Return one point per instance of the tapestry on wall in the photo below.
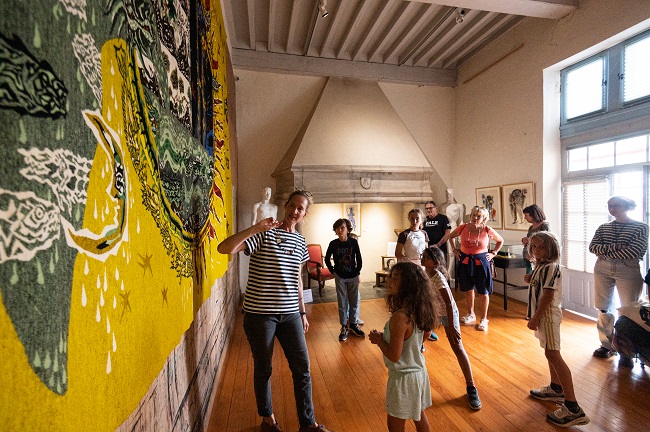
(115, 167)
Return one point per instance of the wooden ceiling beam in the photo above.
(551, 9)
(313, 66)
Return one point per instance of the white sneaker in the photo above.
(565, 418)
(468, 319)
(482, 326)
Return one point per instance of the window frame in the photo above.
(614, 111)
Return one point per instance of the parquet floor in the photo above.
(349, 379)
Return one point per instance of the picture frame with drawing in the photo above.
(516, 197)
(490, 198)
(352, 212)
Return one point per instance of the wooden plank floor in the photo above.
(349, 379)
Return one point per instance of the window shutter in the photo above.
(585, 209)
(584, 92)
(636, 70)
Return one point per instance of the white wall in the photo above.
(429, 113)
(271, 108)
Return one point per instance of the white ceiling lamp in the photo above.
(322, 7)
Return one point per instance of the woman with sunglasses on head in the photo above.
(620, 246)
(473, 258)
(274, 306)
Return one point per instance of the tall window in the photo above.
(606, 141)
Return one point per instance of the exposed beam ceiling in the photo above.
(419, 42)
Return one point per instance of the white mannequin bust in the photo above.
(264, 208)
(454, 211)
(456, 214)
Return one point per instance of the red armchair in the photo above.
(316, 270)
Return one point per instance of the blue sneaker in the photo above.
(433, 337)
(473, 399)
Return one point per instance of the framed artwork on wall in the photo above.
(352, 211)
(516, 197)
(490, 198)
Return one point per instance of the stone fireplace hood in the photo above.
(353, 147)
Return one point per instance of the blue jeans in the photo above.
(347, 295)
(261, 330)
(625, 276)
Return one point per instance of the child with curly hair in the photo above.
(416, 310)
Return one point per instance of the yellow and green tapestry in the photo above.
(115, 191)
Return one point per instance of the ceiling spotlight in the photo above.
(460, 15)
(322, 8)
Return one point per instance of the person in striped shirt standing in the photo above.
(274, 306)
(620, 246)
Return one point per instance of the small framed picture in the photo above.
(490, 198)
(516, 197)
(352, 212)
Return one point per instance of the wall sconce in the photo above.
(460, 15)
(322, 8)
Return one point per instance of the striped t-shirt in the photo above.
(276, 258)
(633, 236)
(546, 276)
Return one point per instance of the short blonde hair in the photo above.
(485, 215)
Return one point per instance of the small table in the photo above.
(380, 276)
(506, 263)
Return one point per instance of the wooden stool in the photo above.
(380, 277)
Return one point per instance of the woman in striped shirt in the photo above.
(620, 246)
(274, 307)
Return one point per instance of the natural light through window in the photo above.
(626, 151)
(636, 70)
(584, 89)
(601, 155)
(578, 159)
(631, 150)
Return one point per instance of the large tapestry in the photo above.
(115, 190)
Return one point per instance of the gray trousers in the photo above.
(348, 298)
(261, 331)
(609, 274)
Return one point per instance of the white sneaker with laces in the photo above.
(468, 319)
(548, 394)
(563, 417)
(483, 325)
